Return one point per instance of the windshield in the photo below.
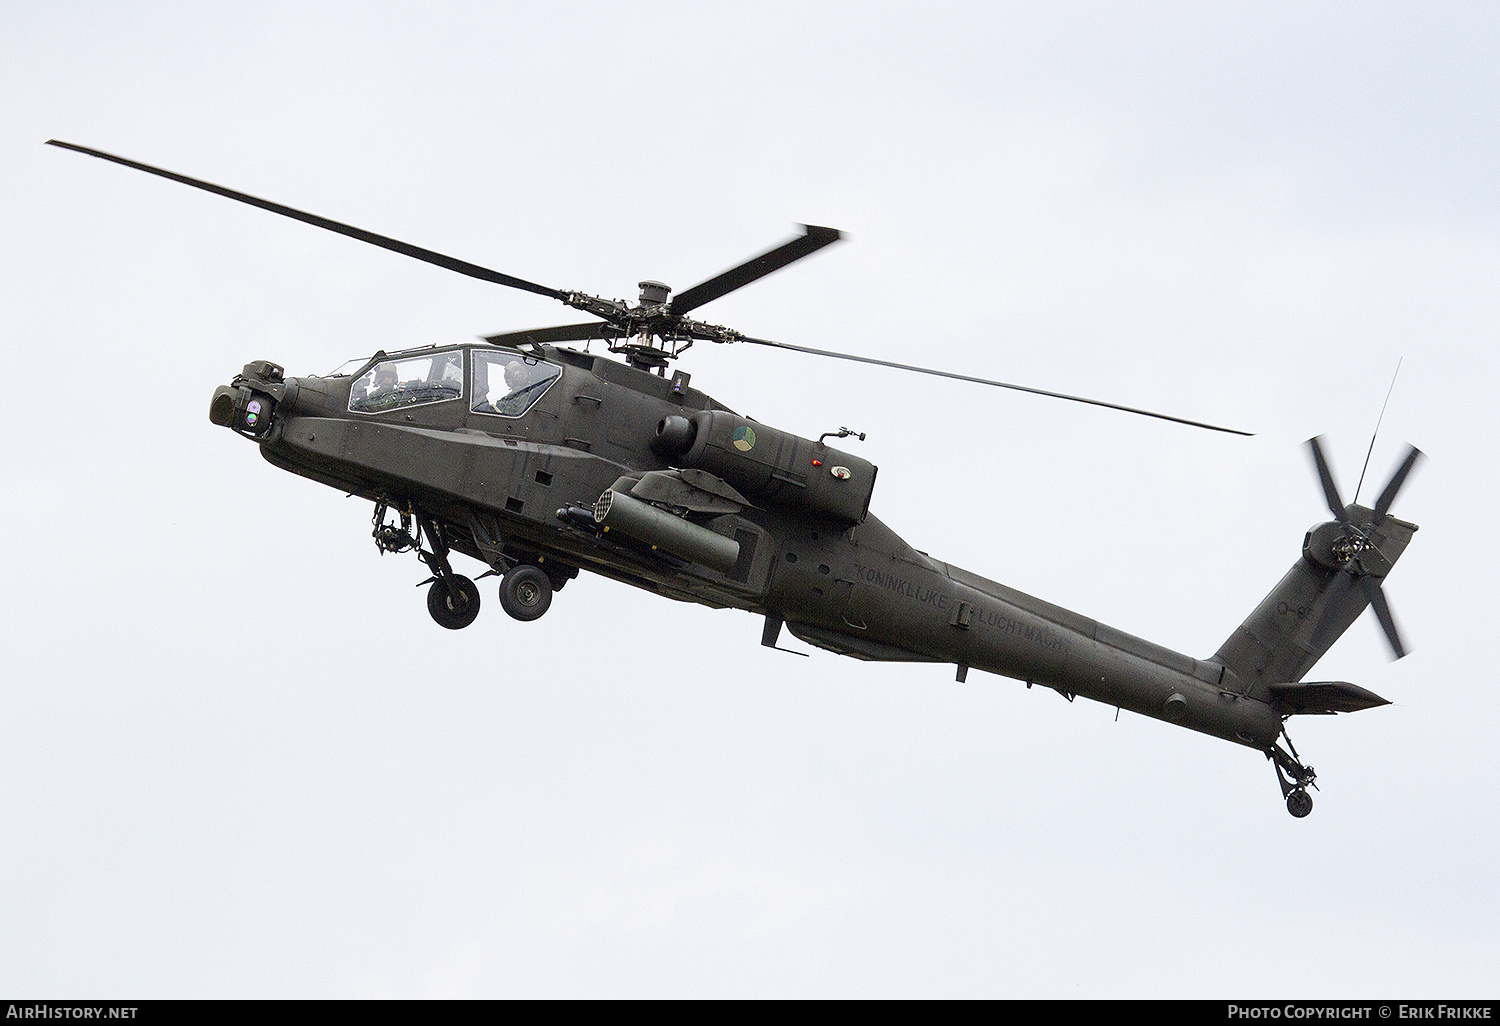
(348, 367)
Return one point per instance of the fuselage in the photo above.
(512, 476)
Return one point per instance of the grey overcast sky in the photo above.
(238, 759)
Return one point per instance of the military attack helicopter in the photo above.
(542, 461)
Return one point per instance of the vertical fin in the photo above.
(1302, 617)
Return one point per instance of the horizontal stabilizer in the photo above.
(1323, 696)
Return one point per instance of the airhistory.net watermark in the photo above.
(43, 1010)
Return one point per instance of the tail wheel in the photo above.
(1293, 776)
(525, 592)
(453, 603)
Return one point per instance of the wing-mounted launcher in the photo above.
(770, 466)
(683, 513)
(619, 510)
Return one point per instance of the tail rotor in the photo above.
(1341, 571)
(1351, 546)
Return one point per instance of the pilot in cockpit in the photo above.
(385, 381)
(516, 395)
(517, 376)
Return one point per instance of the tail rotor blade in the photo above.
(1388, 496)
(1329, 627)
(1325, 475)
(1383, 614)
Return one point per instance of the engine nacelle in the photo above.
(773, 466)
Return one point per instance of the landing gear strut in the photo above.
(1294, 777)
(453, 600)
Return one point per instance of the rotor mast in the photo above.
(648, 334)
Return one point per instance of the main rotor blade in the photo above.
(997, 384)
(1383, 614)
(561, 333)
(1388, 496)
(1325, 475)
(810, 241)
(395, 245)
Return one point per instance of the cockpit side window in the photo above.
(412, 381)
(508, 384)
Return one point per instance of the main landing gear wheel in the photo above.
(453, 603)
(1299, 803)
(525, 591)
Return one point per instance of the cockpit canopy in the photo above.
(503, 382)
(411, 381)
(507, 384)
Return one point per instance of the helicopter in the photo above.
(541, 461)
